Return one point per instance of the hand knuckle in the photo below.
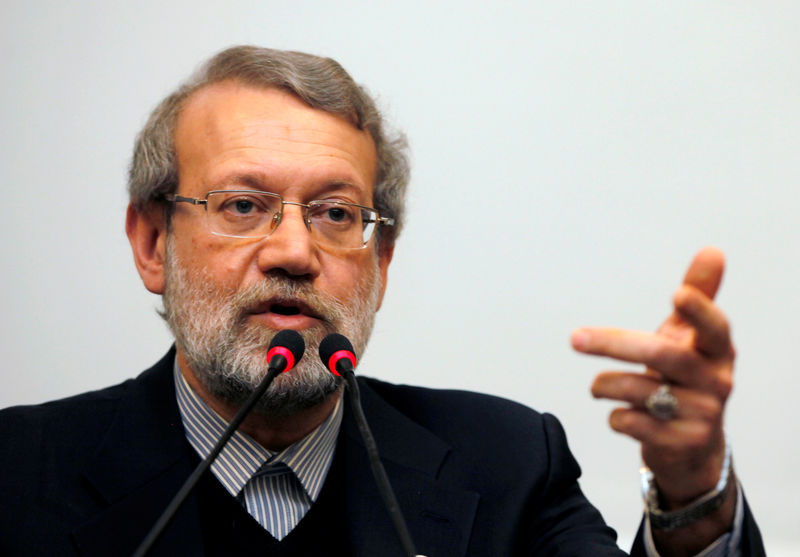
(686, 360)
(725, 326)
(723, 384)
(656, 354)
(709, 407)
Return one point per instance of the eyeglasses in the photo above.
(256, 214)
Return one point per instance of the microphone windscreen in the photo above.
(290, 340)
(333, 347)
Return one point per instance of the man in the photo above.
(267, 195)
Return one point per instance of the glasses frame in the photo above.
(379, 220)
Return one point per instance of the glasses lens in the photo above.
(341, 224)
(243, 214)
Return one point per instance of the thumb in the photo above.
(705, 271)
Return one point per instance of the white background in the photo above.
(569, 158)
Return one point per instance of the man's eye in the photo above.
(333, 214)
(337, 214)
(243, 206)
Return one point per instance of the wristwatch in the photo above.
(697, 509)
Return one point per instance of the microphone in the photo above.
(285, 350)
(337, 353)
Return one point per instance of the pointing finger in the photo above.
(655, 351)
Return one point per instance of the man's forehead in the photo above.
(234, 110)
(228, 126)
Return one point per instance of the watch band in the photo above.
(697, 509)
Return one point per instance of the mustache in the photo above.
(279, 288)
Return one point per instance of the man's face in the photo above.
(226, 297)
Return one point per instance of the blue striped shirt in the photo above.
(277, 488)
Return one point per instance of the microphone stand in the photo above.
(345, 368)
(277, 365)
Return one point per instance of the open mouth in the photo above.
(287, 307)
(284, 309)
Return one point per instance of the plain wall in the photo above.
(568, 160)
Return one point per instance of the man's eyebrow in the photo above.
(259, 181)
(337, 185)
(251, 180)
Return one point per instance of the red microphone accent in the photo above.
(338, 355)
(283, 351)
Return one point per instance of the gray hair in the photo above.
(321, 82)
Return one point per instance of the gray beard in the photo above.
(228, 356)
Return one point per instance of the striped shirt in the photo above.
(277, 488)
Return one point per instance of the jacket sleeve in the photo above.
(562, 520)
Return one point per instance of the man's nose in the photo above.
(290, 247)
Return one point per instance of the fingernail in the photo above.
(580, 339)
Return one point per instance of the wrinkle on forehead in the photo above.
(228, 122)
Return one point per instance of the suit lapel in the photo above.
(144, 459)
(138, 467)
(439, 516)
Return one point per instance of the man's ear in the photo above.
(147, 233)
(385, 252)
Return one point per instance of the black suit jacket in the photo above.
(474, 475)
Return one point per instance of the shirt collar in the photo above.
(242, 457)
